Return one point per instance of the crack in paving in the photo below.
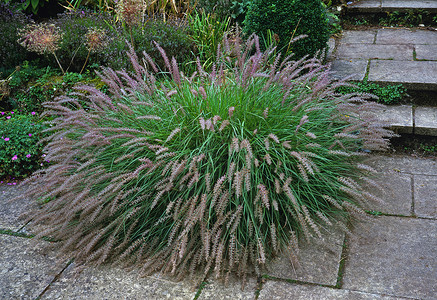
(57, 276)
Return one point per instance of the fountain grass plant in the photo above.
(217, 172)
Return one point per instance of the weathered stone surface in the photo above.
(400, 117)
(391, 36)
(366, 6)
(396, 192)
(372, 51)
(403, 164)
(217, 290)
(358, 37)
(331, 48)
(113, 283)
(11, 210)
(345, 68)
(25, 269)
(426, 120)
(408, 5)
(415, 75)
(394, 256)
(425, 196)
(426, 52)
(279, 290)
(319, 263)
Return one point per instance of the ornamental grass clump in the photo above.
(217, 172)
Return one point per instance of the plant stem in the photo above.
(86, 60)
(59, 64)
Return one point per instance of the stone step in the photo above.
(389, 56)
(409, 119)
(381, 6)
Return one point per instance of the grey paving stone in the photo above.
(113, 283)
(331, 48)
(408, 5)
(345, 68)
(319, 263)
(403, 164)
(396, 193)
(415, 75)
(425, 196)
(25, 269)
(279, 290)
(426, 120)
(372, 51)
(400, 117)
(10, 211)
(365, 6)
(426, 52)
(394, 256)
(217, 290)
(358, 36)
(393, 36)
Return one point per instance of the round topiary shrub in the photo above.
(290, 19)
(216, 172)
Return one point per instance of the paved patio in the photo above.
(391, 256)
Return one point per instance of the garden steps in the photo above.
(394, 56)
(385, 6)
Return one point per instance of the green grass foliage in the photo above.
(215, 173)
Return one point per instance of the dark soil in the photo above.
(414, 145)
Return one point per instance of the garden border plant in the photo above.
(217, 172)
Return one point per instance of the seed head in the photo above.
(96, 39)
(40, 38)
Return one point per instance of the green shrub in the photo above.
(11, 53)
(30, 86)
(217, 172)
(290, 19)
(20, 154)
(387, 94)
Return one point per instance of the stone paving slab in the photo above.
(394, 256)
(365, 6)
(400, 117)
(403, 164)
(425, 196)
(25, 269)
(426, 52)
(396, 192)
(318, 263)
(280, 290)
(426, 120)
(358, 36)
(218, 291)
(10, 211)
(113, 283)
(391, 36)
(407, 5)
(372, 51)
(346, 68)
(374, 6)
(415, 75)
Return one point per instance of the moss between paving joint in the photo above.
(14, 233)
(342, 264)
